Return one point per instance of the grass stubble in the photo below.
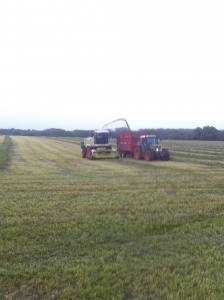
(110, 229)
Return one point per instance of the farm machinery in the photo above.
(98, 145)
(148, 148)
(140, 145)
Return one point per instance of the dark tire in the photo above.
(122, 154)
(83, 152)
(166, 155)
(149, 155)
(137, 153)
(89, 153)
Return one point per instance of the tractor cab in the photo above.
(148, 140)
(101, 137)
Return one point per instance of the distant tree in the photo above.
(16, 132)
(221, 135)
(121, 129)
(210, 134)
(207, 133)
(197, 133)
(189, 136)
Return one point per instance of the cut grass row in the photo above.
(111, 229)
(5, 152)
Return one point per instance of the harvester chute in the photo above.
(121, 119)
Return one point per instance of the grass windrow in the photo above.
(5, 152)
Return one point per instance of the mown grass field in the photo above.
(110, 229)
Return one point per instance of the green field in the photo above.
(72, 228)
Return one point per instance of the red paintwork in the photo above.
(127, 140)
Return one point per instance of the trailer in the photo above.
(126, 142)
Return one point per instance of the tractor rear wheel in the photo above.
(149, 155)
(89, 153)
(83, 153)
(137, 153)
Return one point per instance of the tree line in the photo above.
(207, 133)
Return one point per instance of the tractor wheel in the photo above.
(83, 153)
(149, 155)
(89, 153)
(122, 153)
(137, 153)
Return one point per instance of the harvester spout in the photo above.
(121, 119)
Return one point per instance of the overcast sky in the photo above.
(81, 64)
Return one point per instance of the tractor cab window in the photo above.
(101, 138)
(151, 140)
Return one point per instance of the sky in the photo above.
(81, 64)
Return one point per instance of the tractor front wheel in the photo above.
(89, 153)
(149, 155)
(137, 153)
